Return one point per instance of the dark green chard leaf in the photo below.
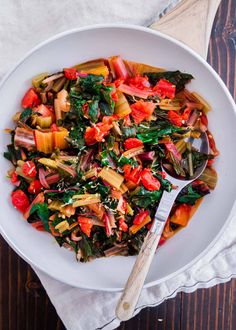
(108, 158)
(104, 157)
(23, 184)
(91, 87)
(110, 203)
(12, 154)
(145, 198)
(73, 245)
(86, 248)
(188, 196)
(179, 79)
(105, 108)
(91, 84)
(136, 241)
(150, 134)
(64, 240)
(56, 221)
(60, 240)
(76, 105)
(123, 160)
(104, 191)
(100, 238)
(93, 110)
(149, 137)
(128, 132)
(25, 115)
(67, 196)
(110, 141)
(106, 96)
(199, 158)
(94, 187)
(64, 196)
(42, 211)
(176, 164)
(76, 137)
(166, 185)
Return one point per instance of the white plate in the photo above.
(141, 45)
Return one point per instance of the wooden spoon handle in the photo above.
(131, 293)
(190, 22)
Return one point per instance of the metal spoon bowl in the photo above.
(131, 293)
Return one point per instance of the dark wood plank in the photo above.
(24, 304)
(232, 323)
(212, 308)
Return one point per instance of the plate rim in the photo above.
(192, 53)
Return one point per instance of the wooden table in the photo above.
(24, 304)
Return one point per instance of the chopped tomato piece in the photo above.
(212, 144)
(30, 99)
(127, 121)
(168, 231)
(181, 215)
(96, 133)
(109, 119)
(164, 88)
(118, 82)
(162, 241)
(114, 95)
(132, 143)
(186, 113)
(71, 73)
(122, 224)
(85, 225)
(14, 177)
(20, 200)
(38, 225)
(29, 169)
(116, 194)
(139, 82)
(127, 169)
(142, 110)
(53, 230)
(175, 118)
(210, 162)
(135, 174)
(163, 174)
(35, 187)
(140, 217)
(54, 128)
(204, 119)
(85, 108)
(149, 181)
(132, 175)
(122, 205)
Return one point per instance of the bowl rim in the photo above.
(192, 53)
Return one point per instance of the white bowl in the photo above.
(205, 228)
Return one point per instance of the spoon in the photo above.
(133, 287)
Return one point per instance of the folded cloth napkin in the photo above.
(217, 266)
(25, 23)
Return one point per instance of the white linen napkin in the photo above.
(89, 310)
(25, 23)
